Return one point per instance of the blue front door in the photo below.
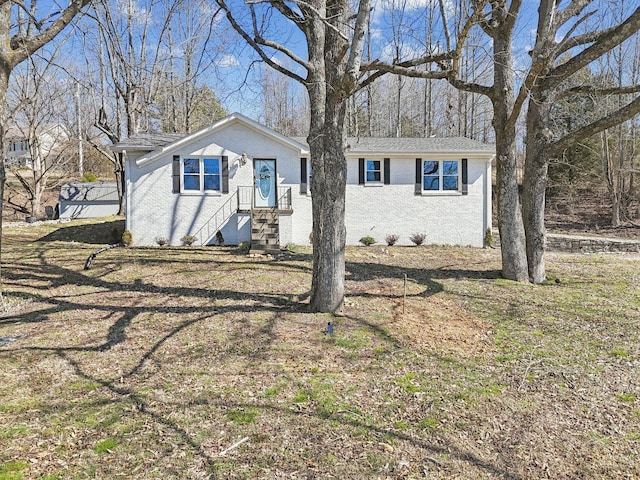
(266, 189)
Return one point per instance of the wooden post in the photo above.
(404, 300)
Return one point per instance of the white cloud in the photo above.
(228, 61)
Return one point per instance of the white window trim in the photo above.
(201, 191)
(440, 191)
(374, 183)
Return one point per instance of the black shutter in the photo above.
(418, 176)
(303, 175)
(361, 171)
(176, 174)
(387, 171)
(225, 174)
(465, 177)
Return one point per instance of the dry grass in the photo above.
(156, 361)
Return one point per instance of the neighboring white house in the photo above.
(251, 183)
(47, 139)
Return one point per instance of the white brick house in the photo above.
(249, 183)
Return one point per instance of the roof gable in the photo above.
(157, 145)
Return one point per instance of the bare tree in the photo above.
(39, 100)
(334, 70)
(545, 84)
(285, 107)
(331, 72)
(23, 31)
(194, 46)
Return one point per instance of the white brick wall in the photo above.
(380, 210)
(154, 211)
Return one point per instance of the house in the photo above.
(46, 138)
(250, 183)
(88, 200)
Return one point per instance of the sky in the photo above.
(236, 81)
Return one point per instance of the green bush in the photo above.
(162, 241)
(244, 247)
(127, 238)
(89, 177)
(367, 241)
(489, 240)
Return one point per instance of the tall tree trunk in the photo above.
(534, 188)
(328, 94)
(329, 232)
(5, 71)
(510, 225)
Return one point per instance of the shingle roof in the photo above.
(417, 145)
(147, 142)
(88, 192)
(355, 145)
(407, 145)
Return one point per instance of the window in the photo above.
(440, 175)
(201, 174)
(373, 172)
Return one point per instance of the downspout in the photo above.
(127, 192)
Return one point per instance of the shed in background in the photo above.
(88, 200)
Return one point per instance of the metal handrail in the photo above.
(245, 197)
(284, 198)
(241, 199)
(218, 219)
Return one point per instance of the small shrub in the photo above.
(367, 241)
(188, 240)
(89, 177)
(489, 241)
(391, 240)
(418, 238)
(127, 238)
(219, 238)
(162, 241)
(291, 247)
(244, 247)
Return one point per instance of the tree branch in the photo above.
(598, 91)
(615, 118)
(261, 53)
(606, 42)
(562, 16)
(29, 45)
(354, 61)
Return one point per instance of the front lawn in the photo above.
(194, 363)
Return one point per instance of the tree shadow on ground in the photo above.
(93, 234)
(211, 304)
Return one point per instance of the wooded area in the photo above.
(560, 104)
